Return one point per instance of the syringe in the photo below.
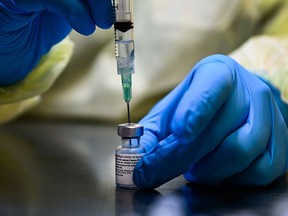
(124, 46)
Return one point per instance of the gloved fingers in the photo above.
(76, 12)
(210, 88)
(263, 170)
(165, 162)
(243, 146)
(102, 12)
(157, 126)
(232, 156)
(273, 162)
(82, 15)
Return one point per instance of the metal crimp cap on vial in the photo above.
(130, 130)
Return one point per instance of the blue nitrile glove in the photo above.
(29, 28)
(221, 125)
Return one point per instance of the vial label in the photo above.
(124, 166)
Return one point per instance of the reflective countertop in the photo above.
(54, 168)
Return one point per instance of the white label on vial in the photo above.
(124, 166)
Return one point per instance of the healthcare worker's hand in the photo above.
(221, 125)
(29, 28)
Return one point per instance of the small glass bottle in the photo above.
(128, 154)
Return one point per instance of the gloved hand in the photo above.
(221, 125)
(29, 28)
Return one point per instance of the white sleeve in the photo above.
(21, 96)
(266, 56)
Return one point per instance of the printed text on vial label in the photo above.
(125, 164)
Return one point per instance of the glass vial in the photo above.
(128, 154)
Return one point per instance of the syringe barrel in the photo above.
(123, 10)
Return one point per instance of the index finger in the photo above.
(211, 86)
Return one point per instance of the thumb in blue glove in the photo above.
(220, 125)
(29, 28)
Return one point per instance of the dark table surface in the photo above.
(67, 169)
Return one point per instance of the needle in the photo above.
(128, 112)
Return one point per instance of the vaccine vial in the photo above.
(128, 154)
